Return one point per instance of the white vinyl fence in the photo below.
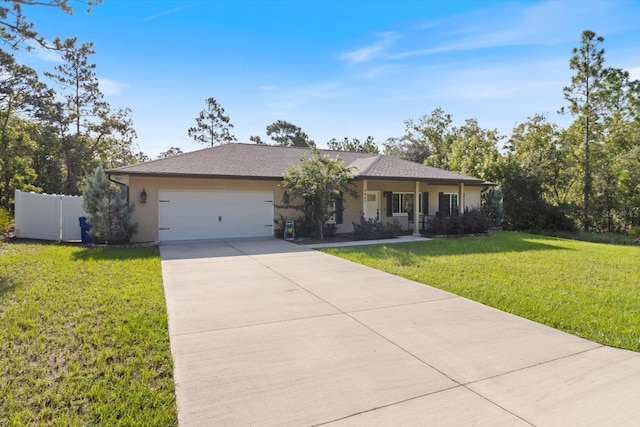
(48, 216)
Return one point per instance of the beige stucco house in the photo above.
(234, 190)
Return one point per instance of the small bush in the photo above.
(5, 220)
(476, 221)
(471, 222)
(278, 229)
(330, 229)
(369, 229)
(302, 227)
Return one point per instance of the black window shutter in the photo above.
(339, 209)
(389, 203)
(443, 204)
(425, 203)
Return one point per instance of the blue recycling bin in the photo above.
(84, 230)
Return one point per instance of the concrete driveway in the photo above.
(265, 332)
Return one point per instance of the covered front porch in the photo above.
(389, 200)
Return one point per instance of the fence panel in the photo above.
(48, 216)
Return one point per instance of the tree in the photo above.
(22, 97)
(369, 145)
(77, 77)
(544, 151)
(584, 95)
(427, 140)
(287, 134)
(15, 29)
(614, 172)
(212, 126)
(107, 209)
(172, 151)
(48, 160)
(257, 140)
(524, 208)
(140, 157)
(90, 132)
(16, 166)
(474, 151)
(111, 138)
(317, 183)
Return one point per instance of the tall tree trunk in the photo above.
(587, 177)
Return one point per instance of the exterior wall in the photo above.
(146, 214)
(473, 198)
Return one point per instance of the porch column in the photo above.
(461, 198)
(364, 198)
(416, 210)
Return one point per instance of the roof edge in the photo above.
(194, 175)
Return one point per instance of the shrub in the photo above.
(439, 225)
(471, 222)
(302, 226)
(369, 229)
(5, 220)
(476, 221)
(278, 227)
(330, 229)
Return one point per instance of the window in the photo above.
(448, 203)
(337, 207)
(402, 203)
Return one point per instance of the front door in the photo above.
(373, 205)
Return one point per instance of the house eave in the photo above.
(433, 181)
(193, 175)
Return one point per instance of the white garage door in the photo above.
(197, 214)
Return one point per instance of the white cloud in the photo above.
(634, 73)
(165, 13)
(367, 53)
(110, 87)
(43, 54)
(509, 25)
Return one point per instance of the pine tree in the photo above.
(585, 97)
(212, 126)
(107, 209)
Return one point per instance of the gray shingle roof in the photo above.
(271, 162)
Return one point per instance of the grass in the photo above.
(83, 337)
(588, 289)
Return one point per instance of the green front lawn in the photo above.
(83, 337)
(588, 289)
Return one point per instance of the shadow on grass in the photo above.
(501, 242)
(115, 254)
(94, 252)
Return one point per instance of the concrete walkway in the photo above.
(265, 332)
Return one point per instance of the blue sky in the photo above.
(336, 68)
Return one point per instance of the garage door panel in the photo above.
(194, 214)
